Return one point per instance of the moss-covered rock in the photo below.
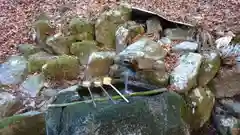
(209, 68)
(81, 29)
(42, 28)
(28, 49)
(37, 60)
(106, 25)
(83, 49)
(60, 44)
(202, 101)
(62, 67)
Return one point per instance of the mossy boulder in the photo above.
(42, 28)
(60, 44)
(201, 101)
(83, 49)
(108, 22)
(62, 67)
(209, 68)
(81, 29)
(28, 49)
(37, 60)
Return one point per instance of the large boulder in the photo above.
(13, 71)
(160, 114)
(108, 22)
(62, 67)
(209, 68)
(30, 123)
(37, 60)
(184, 76)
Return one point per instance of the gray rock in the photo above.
(126, 33)
(106, 25)
(226, 83)
(225, 123)
(30, 123)
(184, 76)
(156, 75)
(232, 105)
(59, 43)
(158, 114)
(202, 101)
(185, 46)
(99, 64)
(13, 71)
(209, 68)
(140, 50)
(33, 84)
(164, 40)
(28, 49)
(9, 104)
(179, 34)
